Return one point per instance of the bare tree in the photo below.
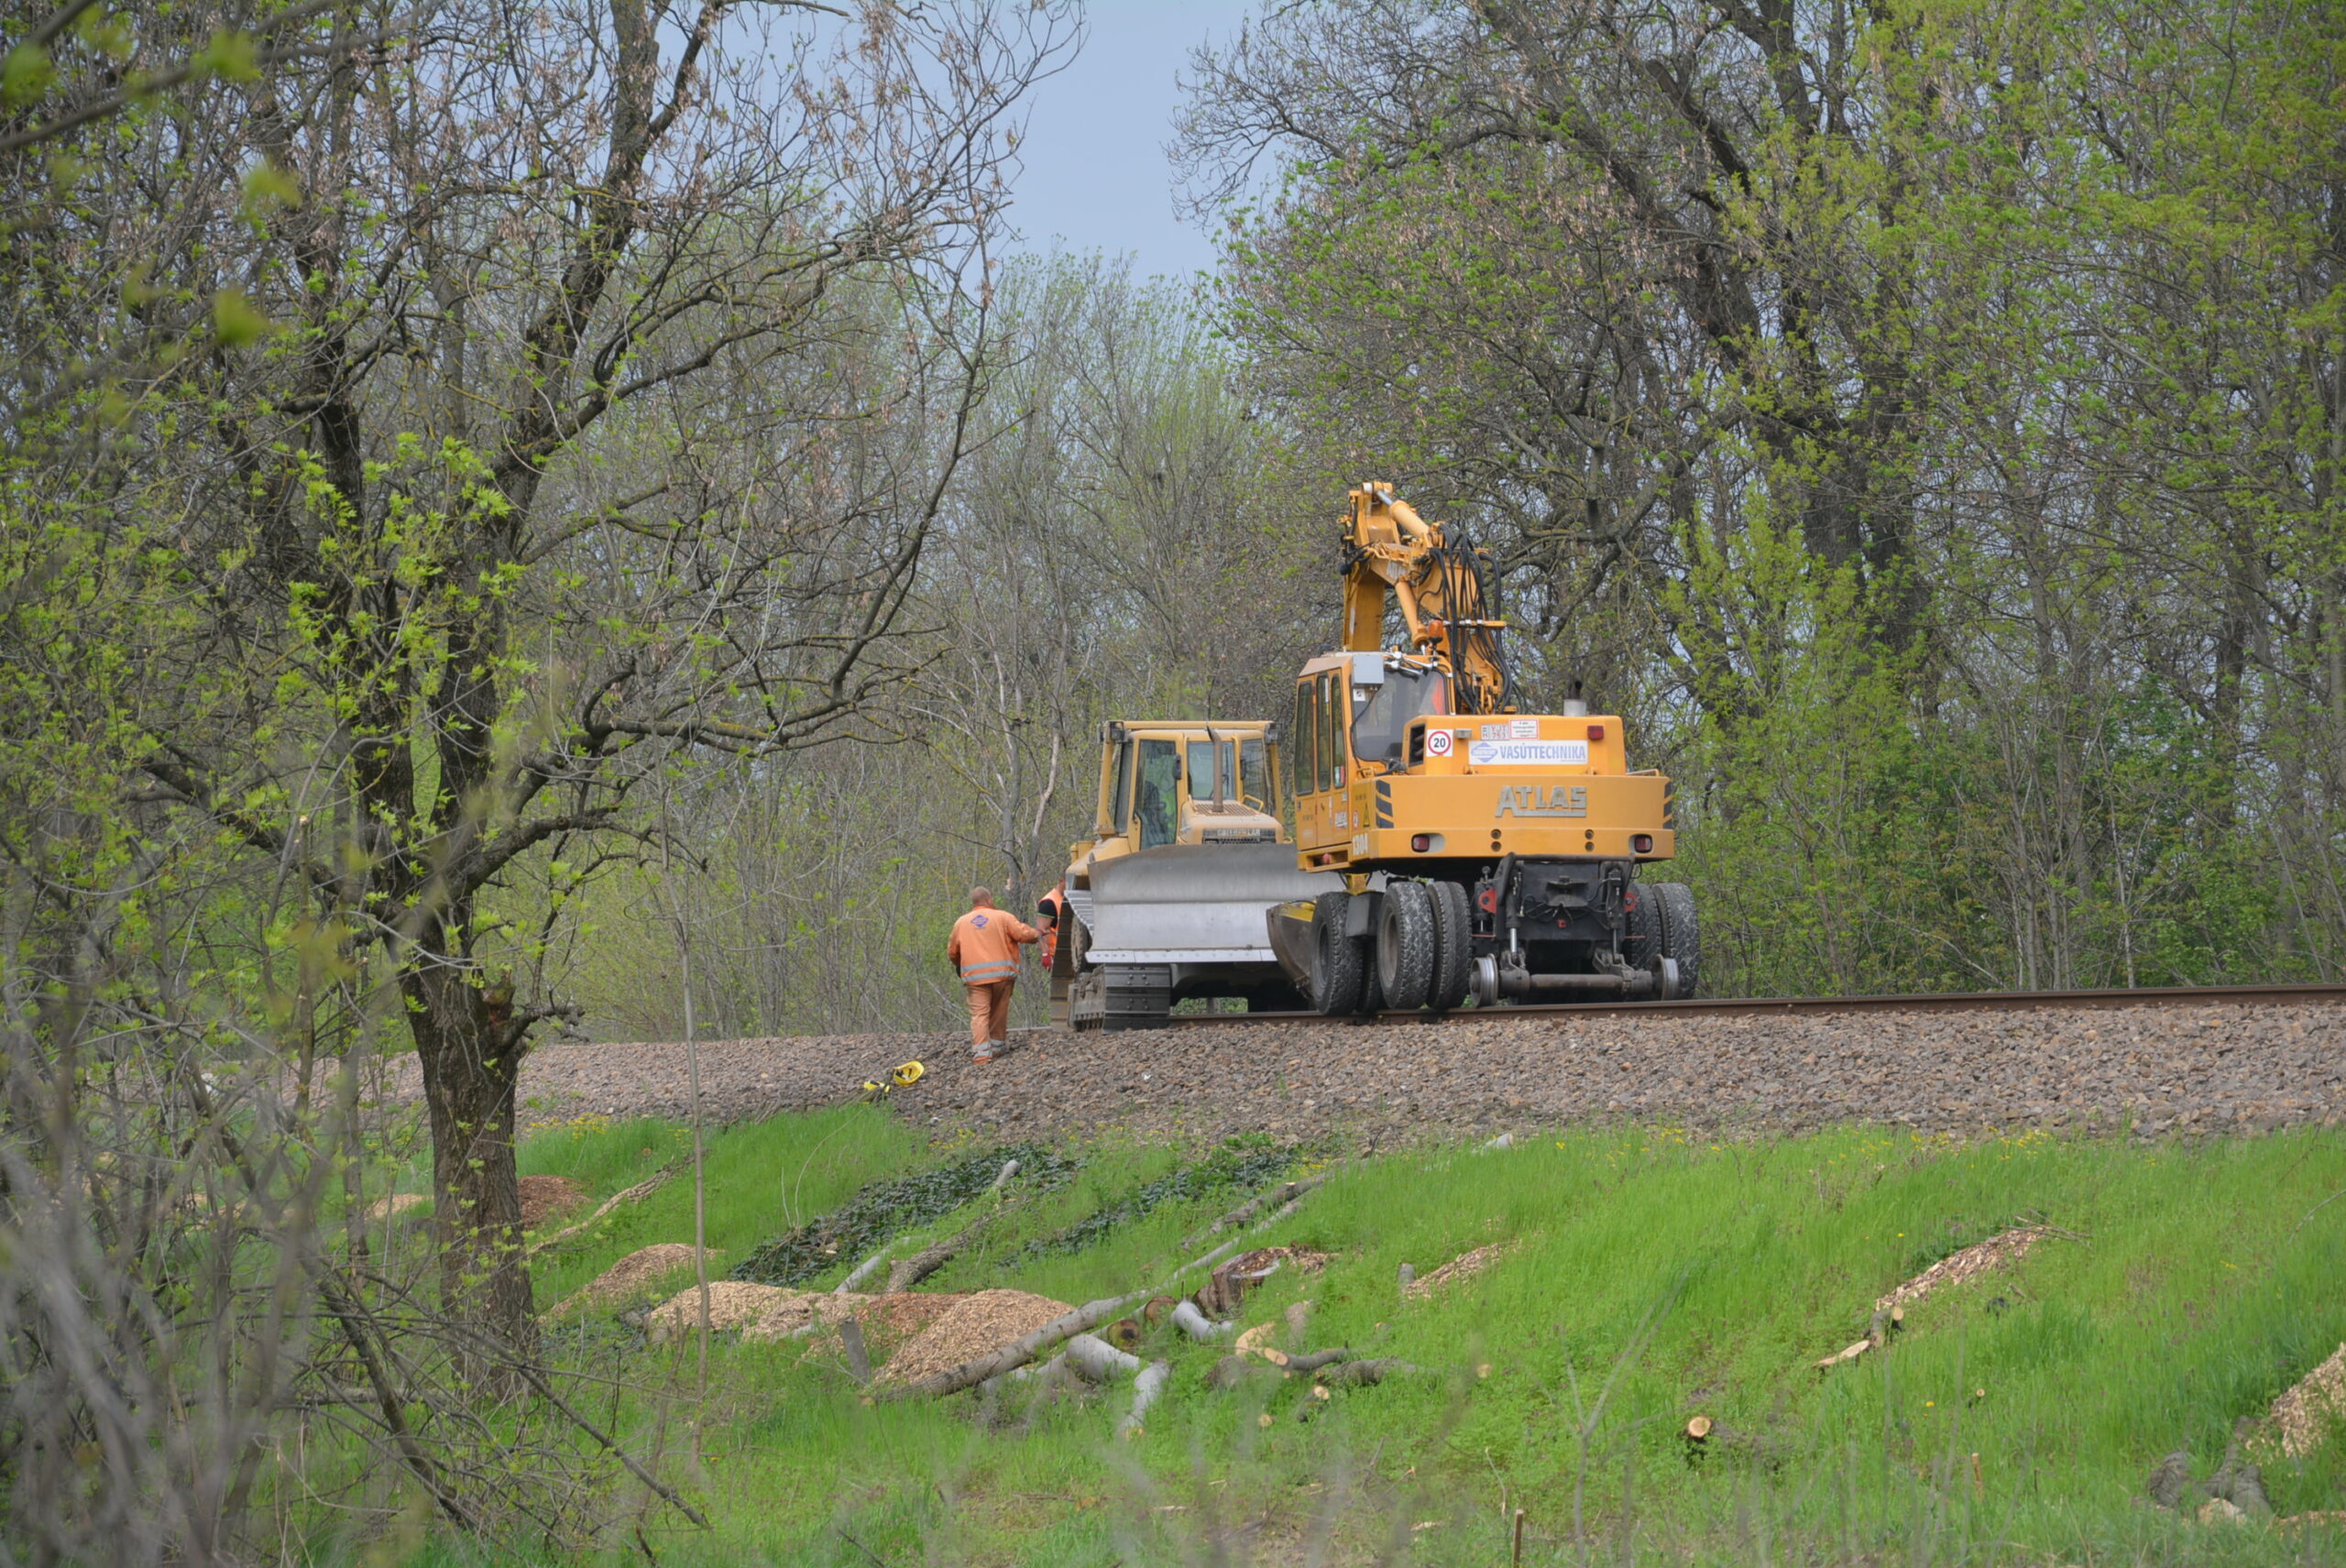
(581, 384)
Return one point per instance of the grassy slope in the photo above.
(2203, 1289)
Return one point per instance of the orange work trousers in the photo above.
(989, 1012)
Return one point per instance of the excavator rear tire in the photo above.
(1405, 946)
(1336, 983)
(1680, 937)
(1453, 949)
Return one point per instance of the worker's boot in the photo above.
(987, 1052)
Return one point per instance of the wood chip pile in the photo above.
(1463, 1267)
(2308, 1412)
(542, 1197)
(970, 1327)
(635, 1275)
(2006, 1246)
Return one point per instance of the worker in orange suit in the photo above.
(984, 947)
(1053, 909)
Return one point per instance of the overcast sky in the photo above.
(1096, 176)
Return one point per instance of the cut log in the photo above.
(907, 1272)
(1827, 1362)
(1316, 1360)
(862, 1271)
(859, 1360)
(1197, 1325)
(969, 1373)
(1233, 1370)
(641, 1189)
(911, 1271)
(1362, 1373)
(1145, 1388)
(1094, 1360)
(1278, 1197)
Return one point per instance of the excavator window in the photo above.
(1157, 807)
(1383, 726)
(1330, 731)
(1300, 740)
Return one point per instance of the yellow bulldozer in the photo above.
(1486, 853)
(1168, 895)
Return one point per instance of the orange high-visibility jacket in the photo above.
(1057, 899)
(985, 944)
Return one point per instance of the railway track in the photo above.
(1745, 1007)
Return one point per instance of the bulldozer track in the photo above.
(1744, 1007)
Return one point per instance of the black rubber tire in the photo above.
(1643, 943)
(1454, 945)
(1405, 946)
(1681, 936)
(1337, 985)
(1372, 994)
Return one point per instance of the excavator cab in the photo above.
(1169, 896)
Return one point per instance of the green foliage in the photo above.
(1235, 1166)
(1913, 427)
(1643, 1276)
(887, 1209)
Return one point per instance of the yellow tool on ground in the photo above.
(903, 1076)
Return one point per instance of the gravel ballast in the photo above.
(2155, 1070)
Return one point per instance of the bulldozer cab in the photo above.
(1186, 783)
(1169, 898)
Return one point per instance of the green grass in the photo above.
(1648, 1279)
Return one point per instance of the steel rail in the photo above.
(1745, 1007)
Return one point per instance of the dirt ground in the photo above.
(2221, 1067)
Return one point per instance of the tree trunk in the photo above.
(471, 1069)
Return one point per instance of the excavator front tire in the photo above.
(1336, 983)
(1454, 954)
(1405, 946)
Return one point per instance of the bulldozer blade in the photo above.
(1195, 903)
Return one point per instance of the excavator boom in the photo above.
(1438, 580)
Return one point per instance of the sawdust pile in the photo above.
(542, 1197)
(970, 1327)
(759, 1311)
(890, 1322)
(2307, 1412)
(2003, 1247)
(396, 1204)
(635, 1273)
(1463, 1267)
(807, 1310)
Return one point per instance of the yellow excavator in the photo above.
(1168, 896)
(1486, 854)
